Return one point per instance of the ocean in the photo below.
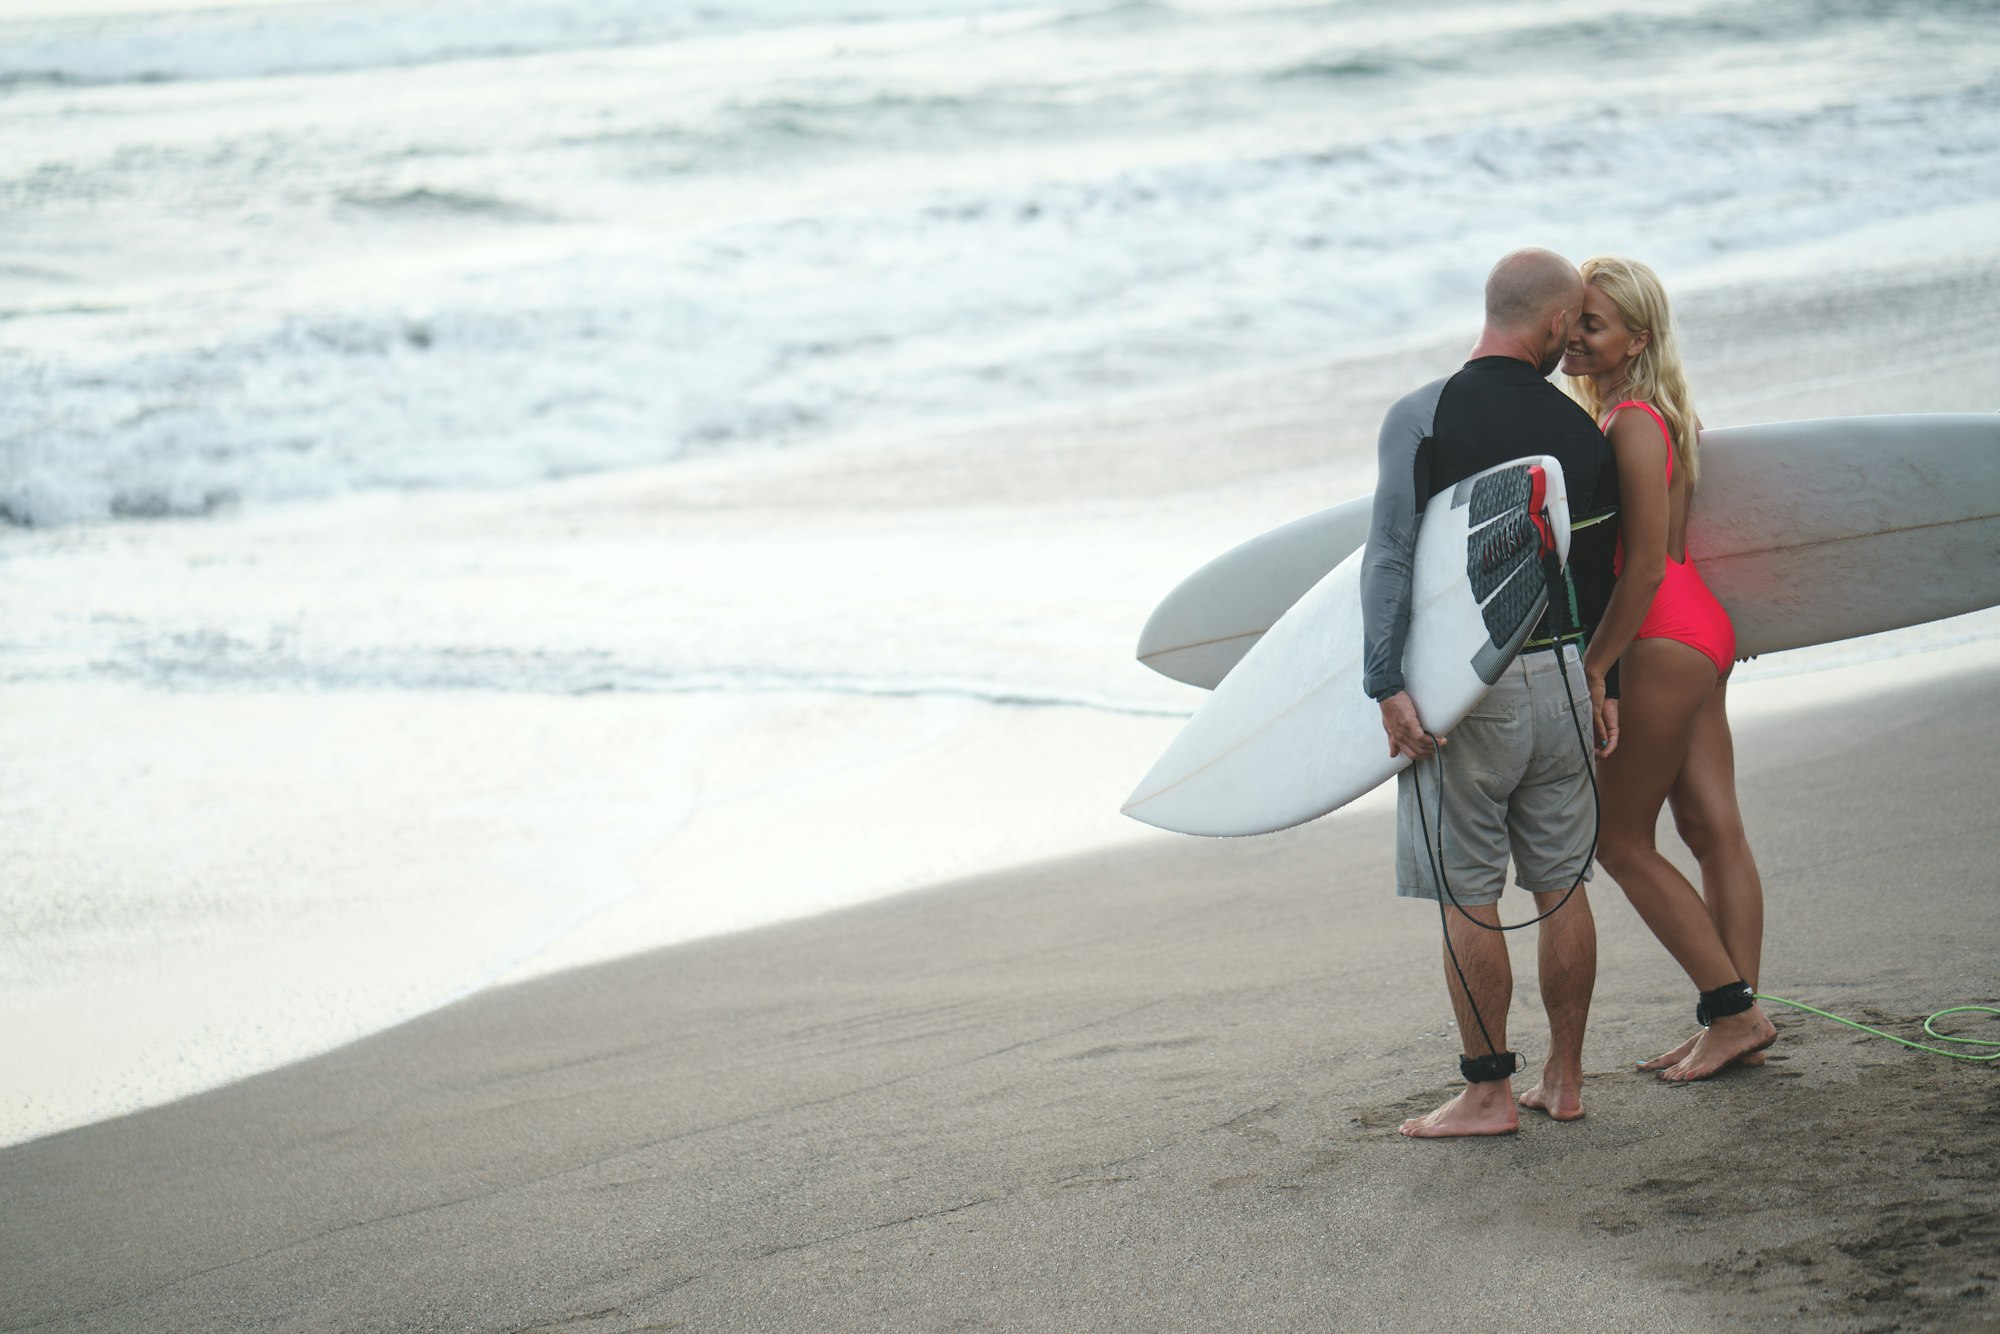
(490, 487)
(266, 253)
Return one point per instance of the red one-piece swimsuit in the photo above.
(1683, 608)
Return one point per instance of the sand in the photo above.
(1140, 1090)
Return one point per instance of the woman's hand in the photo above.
(1603, 717)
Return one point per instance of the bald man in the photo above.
(1515, 776)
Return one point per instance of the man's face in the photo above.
(1557, 336)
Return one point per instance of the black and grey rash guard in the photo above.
(1493, 410)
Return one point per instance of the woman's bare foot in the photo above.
(1679, 1054)
(1480, 1109)
(1672, 1058)
(1559, 1095)
(1723, 1043)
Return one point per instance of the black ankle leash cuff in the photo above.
(1486, 1069)
(1723, 1002)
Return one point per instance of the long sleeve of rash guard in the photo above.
(1401, 490)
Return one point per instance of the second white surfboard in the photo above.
(1808, 532)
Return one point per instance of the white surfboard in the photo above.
(1808, 532)
(1814, 531)
(1205, 626)
(1289, 735)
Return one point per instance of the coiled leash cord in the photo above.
(1928, 1028)
(1435, 852)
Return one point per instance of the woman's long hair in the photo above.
(1656, 374)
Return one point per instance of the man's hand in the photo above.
(1406, 734)
(1603, 718)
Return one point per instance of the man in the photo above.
(1515, 776)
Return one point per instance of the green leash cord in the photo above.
(1941, 1037)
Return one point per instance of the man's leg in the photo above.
(1567, 956)
(1552, 825)
(1484, 1108)
(1461, 830)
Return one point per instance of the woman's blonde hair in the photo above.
(1656, 374)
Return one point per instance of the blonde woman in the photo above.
(1673, 646)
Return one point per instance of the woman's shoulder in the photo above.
(1618, 409)
(1634, 419)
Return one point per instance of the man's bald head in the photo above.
(1532, 298)
(1527, 287)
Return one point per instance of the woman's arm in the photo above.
(1641, 453)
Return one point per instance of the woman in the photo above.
(1674, 646)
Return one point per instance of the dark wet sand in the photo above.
(1155, 1089)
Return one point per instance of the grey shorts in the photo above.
(1515, 781)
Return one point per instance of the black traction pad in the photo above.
(1503, 556)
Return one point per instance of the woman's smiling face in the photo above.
(1600, 340)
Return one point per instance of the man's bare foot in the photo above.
(1725, 1042)
(1479, 1109)
(1679, 1054)
(1559, 1095)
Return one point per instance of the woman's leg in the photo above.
(1665, 685)
(1708, 820)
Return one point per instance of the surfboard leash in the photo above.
(1930, 1028)
(1561, 591)
(1436, 855)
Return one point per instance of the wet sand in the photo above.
(1149, 1089)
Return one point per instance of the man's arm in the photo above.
(1388, 565)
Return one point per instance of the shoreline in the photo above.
(537, 863)
(282, 873)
